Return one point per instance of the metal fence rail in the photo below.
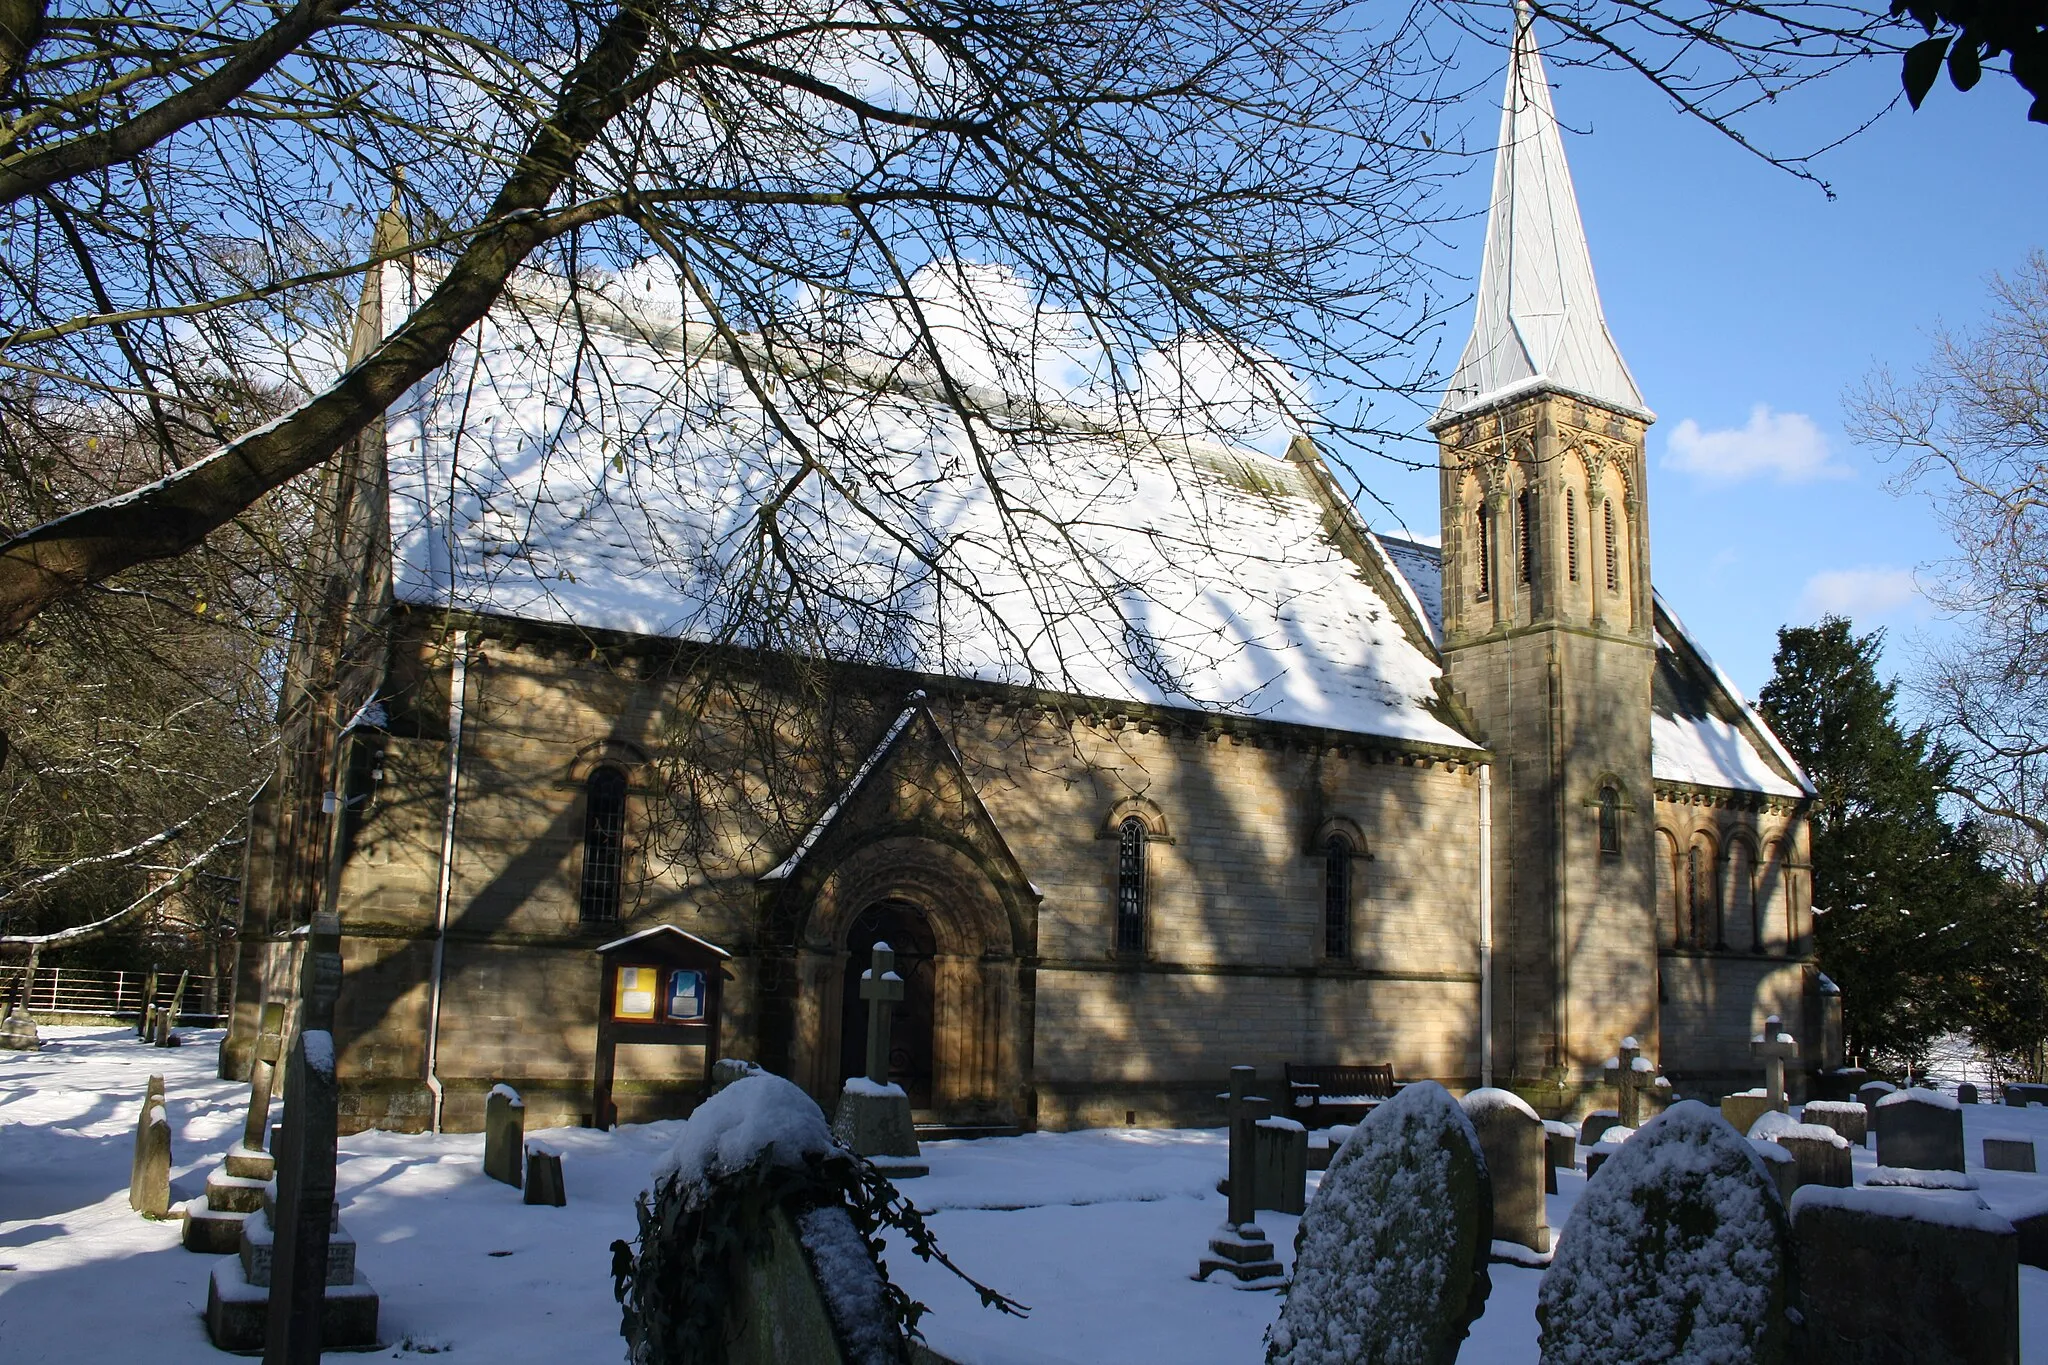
(78, 990)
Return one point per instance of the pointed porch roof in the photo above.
(1538, 322)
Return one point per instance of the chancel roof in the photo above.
(1537, 321)
(592, 466)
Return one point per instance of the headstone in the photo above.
(149, 1181)
(1279, 1165)
(1560, 1151)
(1680, 1251)
(1820, 1154)
(874, 1114)
(1596, 1123)
(1774, 1047)
(1870, 1092)
(1780, 1165)
(544, 1176)
(152, 1094)
(1921, 1130)
(809, 1290)
(249, 1159)
(1609, 1143)
(168, 1021)
(2030, 1221)
(504, 1134)
(145, 1022)
(1633, 1076)
(2008, 1152)
(1744, 1109)
(305, 1208)
(1517, 1165)
(1391, 1257)
(1847, 1117)
(1906, 1275)
(1966, 1093)
(17, 1029)
(1240, 1248)
(2021, 1094)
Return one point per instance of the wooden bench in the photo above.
(1322, 1095)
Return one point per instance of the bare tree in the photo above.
(1970, 426)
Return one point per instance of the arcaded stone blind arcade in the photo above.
(604, 844)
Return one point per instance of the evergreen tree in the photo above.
(1909, 920)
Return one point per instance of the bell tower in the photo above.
(1547, 615)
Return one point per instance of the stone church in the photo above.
(1249, 782)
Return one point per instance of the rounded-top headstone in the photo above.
(1679, 1252)
(1512, 1137)
(1390, 1259)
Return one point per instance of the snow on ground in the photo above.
(1097, 1231)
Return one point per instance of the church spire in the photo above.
(1538, 323)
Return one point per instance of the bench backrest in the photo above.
(1375, 1080)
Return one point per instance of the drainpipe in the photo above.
(458, 679)
(1486, 924)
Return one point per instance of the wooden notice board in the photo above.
(661, 986)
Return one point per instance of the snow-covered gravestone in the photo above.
(1821, 1155)
(1511, 1135)
(1633, 1076)
(1902, 1274)
(1390, 1258)
(1679, 1252)
(504, 1135)
(747, 1252)
(874, 1114)
(1920, 1130)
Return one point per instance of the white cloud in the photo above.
(1860, 593)
(1784, 445)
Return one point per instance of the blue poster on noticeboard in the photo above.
(685, 997)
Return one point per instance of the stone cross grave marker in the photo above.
(1629, 1081)
(250, 1159)
(874, 1117)
(305, 1160)
(1772, 1048)
(881, 987)
(1240, 1247)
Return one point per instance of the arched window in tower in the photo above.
(1524, 542)
(1485, 522)
(1130, 886)
(1571, 535)
(1337, 898)
(1613, 559)
(1610, 820)
(604, 845)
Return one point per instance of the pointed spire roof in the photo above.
(1538, 323)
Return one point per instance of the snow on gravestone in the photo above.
(1679, 1252)
(1390, 1258)
(808, 1289)
(1512, 1137)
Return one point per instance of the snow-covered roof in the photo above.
(1703, 731)
(1421, 566)
(704, 943)
(592, 467)
(1537, 321)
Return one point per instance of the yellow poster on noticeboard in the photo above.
(636, 994)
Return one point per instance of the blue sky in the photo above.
(1746, 302)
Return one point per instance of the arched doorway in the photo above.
(908, 933)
